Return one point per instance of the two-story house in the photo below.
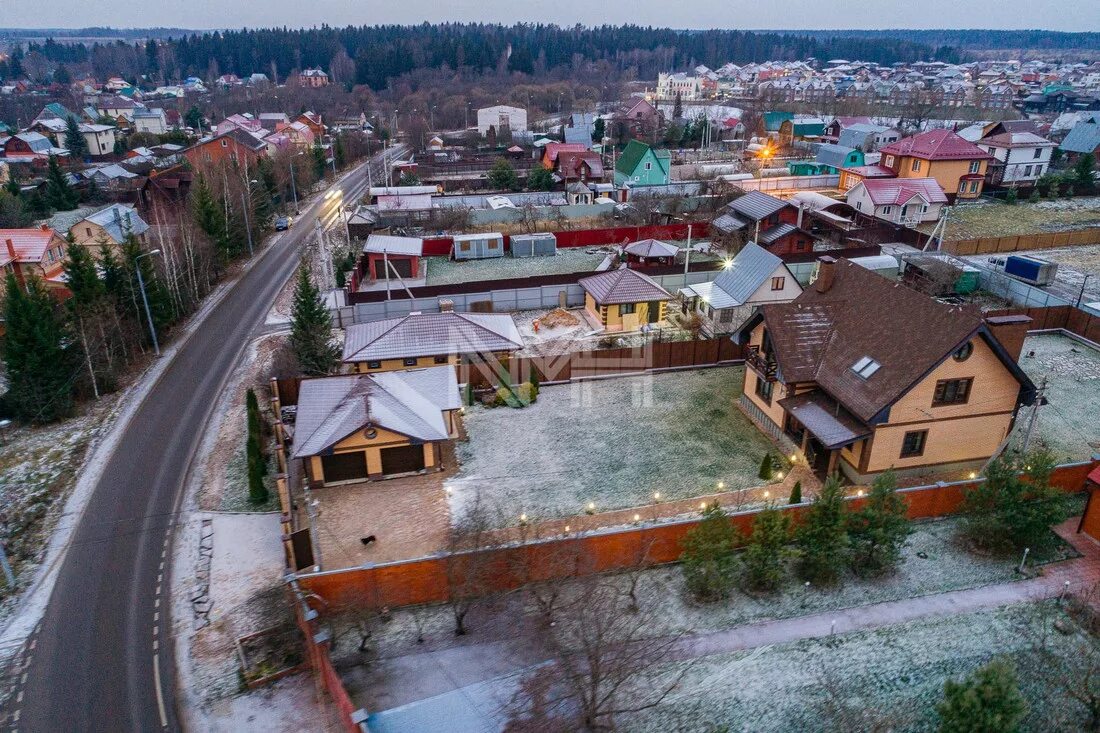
(637, 120)
(957, 164)
(236, 146)
(1019, 158)
(642, 165)
(903, 201)
(862, 374)
(108, 228)
(770, 222)
(35, 252)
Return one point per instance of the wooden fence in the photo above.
(1050, 240)
(431, 579)
(1066, 317)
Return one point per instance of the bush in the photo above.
(766, 469)
(1034, 197)
(796, 493)
(767, 550)
(708, 559)
(1068, 193)
(1011, 196)
(989, 701)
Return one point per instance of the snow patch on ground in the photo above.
(1068, 424)
(444, 271)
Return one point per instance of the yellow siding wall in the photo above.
(774, 412)
(946, 172)
(394, 365)
(372, 447)
(948, 441)
(616, 320)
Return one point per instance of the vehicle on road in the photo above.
(283, 223)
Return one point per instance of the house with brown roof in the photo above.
(957, 164)
(234, 145)
(624, 299)
(362, 427)
(860, 374)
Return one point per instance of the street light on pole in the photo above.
(244, 208)
(145, 299)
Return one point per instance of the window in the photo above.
(764, 389)
(887, 209)
(973, 187)
(440, 360)
(889, 161)
(627, 308)
(725, 315)
(88, 231)
(648, 166)
(492, 244)
(374, 365)
(410, 362)
(1038, 154)
(1027, 170)
(916, 164)
(778, 282)
(963, 353)
(225, 144)
(865, 367)
(975, 166)
(464, 247)
(913, 444)
(952, 392)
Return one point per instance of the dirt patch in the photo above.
(559, 317)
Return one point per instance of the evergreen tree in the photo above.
(796, 493)
(257, 465)
(822, 538)
(61, 76)
(208, 216)
(311, 328)
(677, 107)
(989, 701)
(319, 162)
(59, 194)
(74, 140)
(1010, 512)
(12, 187)
(503, 176)
(339, 152)
(766, 471)
(540, 179)
(708, 558)
(160, 304)
(38, 368)
(89, 312)
(12, 213)
(767, 550)
(599, 128)
(1083, 176)
(193, 118)
(878, 530)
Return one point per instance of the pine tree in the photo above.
(59, 194)
(878, 530)
(540, 179)
(74, 140)
(766, 470)
(598, 129)
(193, 118)
(989, 701)
(13, 215)
(503, 176)
(796, 493)
(822, 538)
(257, 465)
(319, 162)
(38, 367)
(708, 558)
(767, 550)
(677, 107)
(1083, 175)
(311, 328)
(208, 216)
(339, 152)
(89, 312)
(1007, 512)
(160, 303)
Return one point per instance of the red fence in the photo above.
(317, 653)
(430, 579)
(441, 246)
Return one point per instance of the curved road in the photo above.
(102, 654)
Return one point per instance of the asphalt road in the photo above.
(103, 656)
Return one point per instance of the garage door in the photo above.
(402, 460)
(404, 268)
(344, 467)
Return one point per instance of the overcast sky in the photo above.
(1068, 15)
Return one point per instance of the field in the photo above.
(612, 442)
(1067, 425)
(972, 221)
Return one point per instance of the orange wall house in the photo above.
(958, 165)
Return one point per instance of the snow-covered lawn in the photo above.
(613, 442)
(1068, 424)
(1000, 220)
(443, 271)
(894, 675)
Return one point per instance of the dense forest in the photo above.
(972, 39)
(373, 55)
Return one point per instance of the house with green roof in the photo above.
(641, 165)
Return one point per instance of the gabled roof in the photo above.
(1083, 138)
(431, 334)
(623, 286)
(835, 155)
(771, 235)
(898, 191)
(652, 248)
(820, 337)
(30, 244)
(553, 150)
(1018, 140)
(119, 220)
(633, 154)
(942, 144)
(750, 269)
(570, 163)
(755, 205)
(412, 403)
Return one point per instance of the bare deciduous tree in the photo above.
(469, 561)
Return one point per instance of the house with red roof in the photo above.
(35, 252)
(552, 150)
(583, 167)
(904, 201)
(957, 164)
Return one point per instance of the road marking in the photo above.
(156, 601)
(156, 615)
(156, 646)
(160, 695)
(161, 566)
(19, 698)
(160, 577)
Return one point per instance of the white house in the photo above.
(1021, 157)
(903, 201)
(100, 138)
(755, 277)
(669, 85)
(501, 115)
(151, 120)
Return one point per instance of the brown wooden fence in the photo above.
(425, 580)
(1065, 317)
(992, 245)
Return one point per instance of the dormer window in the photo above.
(865, 367)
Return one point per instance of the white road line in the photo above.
(160, 577)
(156, 601)
(160, 695)
(156, 630)
(19, 698)
(156, 646)
(156, 615)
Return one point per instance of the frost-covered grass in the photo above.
(1068, 424)
(235, 496)
(1001, 220)
(893, 675)
(443, 271)
(613, 442)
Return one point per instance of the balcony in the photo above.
(761, 364)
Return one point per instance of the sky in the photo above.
(1065, 15)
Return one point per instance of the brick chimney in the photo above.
(11, 249)
(1010, 331)
(45, 227)
(826, 271)
(446, 305)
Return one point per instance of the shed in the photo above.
(885, 265)
(401, 253)
(542, 244)
(478, 246)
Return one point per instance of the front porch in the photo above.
(822, 430)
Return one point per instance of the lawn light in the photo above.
(727, 263)
(779, 475)
(859, 493)
(721, 485)
(656, 496)
(447, 490)
(767, 494)
(794, 458)
(973, 475)
(591, 508)
(637, 517)
(523, 519)
(703, 505)
(567, 529)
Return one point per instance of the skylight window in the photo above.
(865, 367)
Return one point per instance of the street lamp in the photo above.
(247, 220)
(145, 299)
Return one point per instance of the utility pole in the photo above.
(247, 222)
(687, 256)
(1034, 417)
(293, 188)
(145, 300)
